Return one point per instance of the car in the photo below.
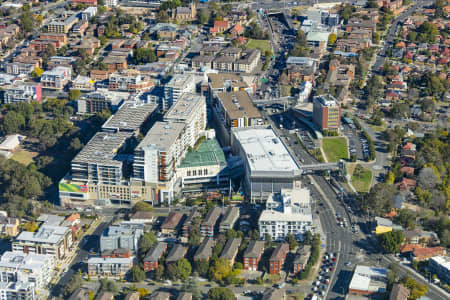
(349, 263)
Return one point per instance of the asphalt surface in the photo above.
(92, 242)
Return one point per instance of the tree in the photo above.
(416, 289)
(37, 73)
(390, 178)
(143, 292)
(300, 38)
(26, 21)
(427, 179)
(184, 269)
(74, 94)
(108, 286)
(137, 274)
(203, 16)
(12, 122)
(147, 240)
(159, 272)
(75, 144)
(406, 218)
(372, 4)
(290, 238)
(73, 284)
(332, 39)
(219, 270)
(144, 55)
(391, 241)
(141, 206)
(191, 286)
(201, 266)
(379, 198)
(220, 293)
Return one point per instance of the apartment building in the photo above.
(228, 82)
(327, 113)
(156, 156)
(130, 81)
(56, 79)
(153, 256)
(29, 268)
(176, 87)
(237, 110)
(63, 61)
(124, 236)
(440, 265)
(62, 26)
(277, 259)
(230, 250)
(204, 251)
(115, 63)
(18, 290)
(301, 259)
(100, 100)
(84, 2)
(190, 109)
(208, 224)
(18, 68)
(177, 252)
(252, 255)
(187, 224)
(172, 223)
(109, 267)
(48, 239)
(89, 13)
(287, 212)
(9, 226)
(23, 92)
(269, 166)
(229, 218)
(98, 161)
(130, 117)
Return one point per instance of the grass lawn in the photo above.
(361, 179)
(24, 157)
(335, 148)
(262, 45)
(378, 128)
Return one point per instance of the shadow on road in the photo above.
(342, 282)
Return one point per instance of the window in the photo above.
(194, 173)
(199, 172)
(205, 171)
(188, 173)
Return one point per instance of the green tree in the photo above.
(184, 269)
(159, 272)
(108, 286)
(219, 269)
(144, 55)
(416, 289)
(290, 238)
(140, 205)
(391, 241)
(73, 284)
(220, 293)
(203, 16)
(147, 240)
(75, 144)
(12, 122)
(201, 266)
(137, 274)
(191, 286)
(74, 94)
(300, 38)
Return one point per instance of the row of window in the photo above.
(197, 172)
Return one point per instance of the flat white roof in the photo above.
(368, 279)
(444, 261)
(265, 151)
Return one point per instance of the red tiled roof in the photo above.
(409, 247)
(408, 146)
(428, 251)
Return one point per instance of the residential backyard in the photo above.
(335, 148)
(263, 45)
(361, 177)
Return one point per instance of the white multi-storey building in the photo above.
(178, 85)
(286, 212)
(190, 109)
(21, 267)
(156, 157)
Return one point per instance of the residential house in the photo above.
(406, 183)
(9, 226)
(399, 292)
(421, 254)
